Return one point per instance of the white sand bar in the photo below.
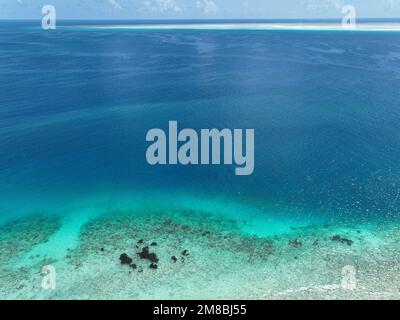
(252, 26)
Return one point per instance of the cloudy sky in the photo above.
(198, 9)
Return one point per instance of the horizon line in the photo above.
(200, 19)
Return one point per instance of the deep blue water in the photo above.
(75, 107)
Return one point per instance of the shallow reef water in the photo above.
(201, 255)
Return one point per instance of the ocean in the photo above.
(77, 103)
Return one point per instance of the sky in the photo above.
(198, 9)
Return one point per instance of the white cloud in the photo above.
(207, 6)
(162, 6)
(175, 6)
(393, 4)
(248, 8)
(323, 5)
(245, 4)
(115, 4)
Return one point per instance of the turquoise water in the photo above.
(76, 106)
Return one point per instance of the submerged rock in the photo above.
(174, 259)
(141, 241)
(146, 254)
(340, 239)
(185, 253)
(125, 259)
(153, 266)
(20, 286)
(295, 243)
(153, 244)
